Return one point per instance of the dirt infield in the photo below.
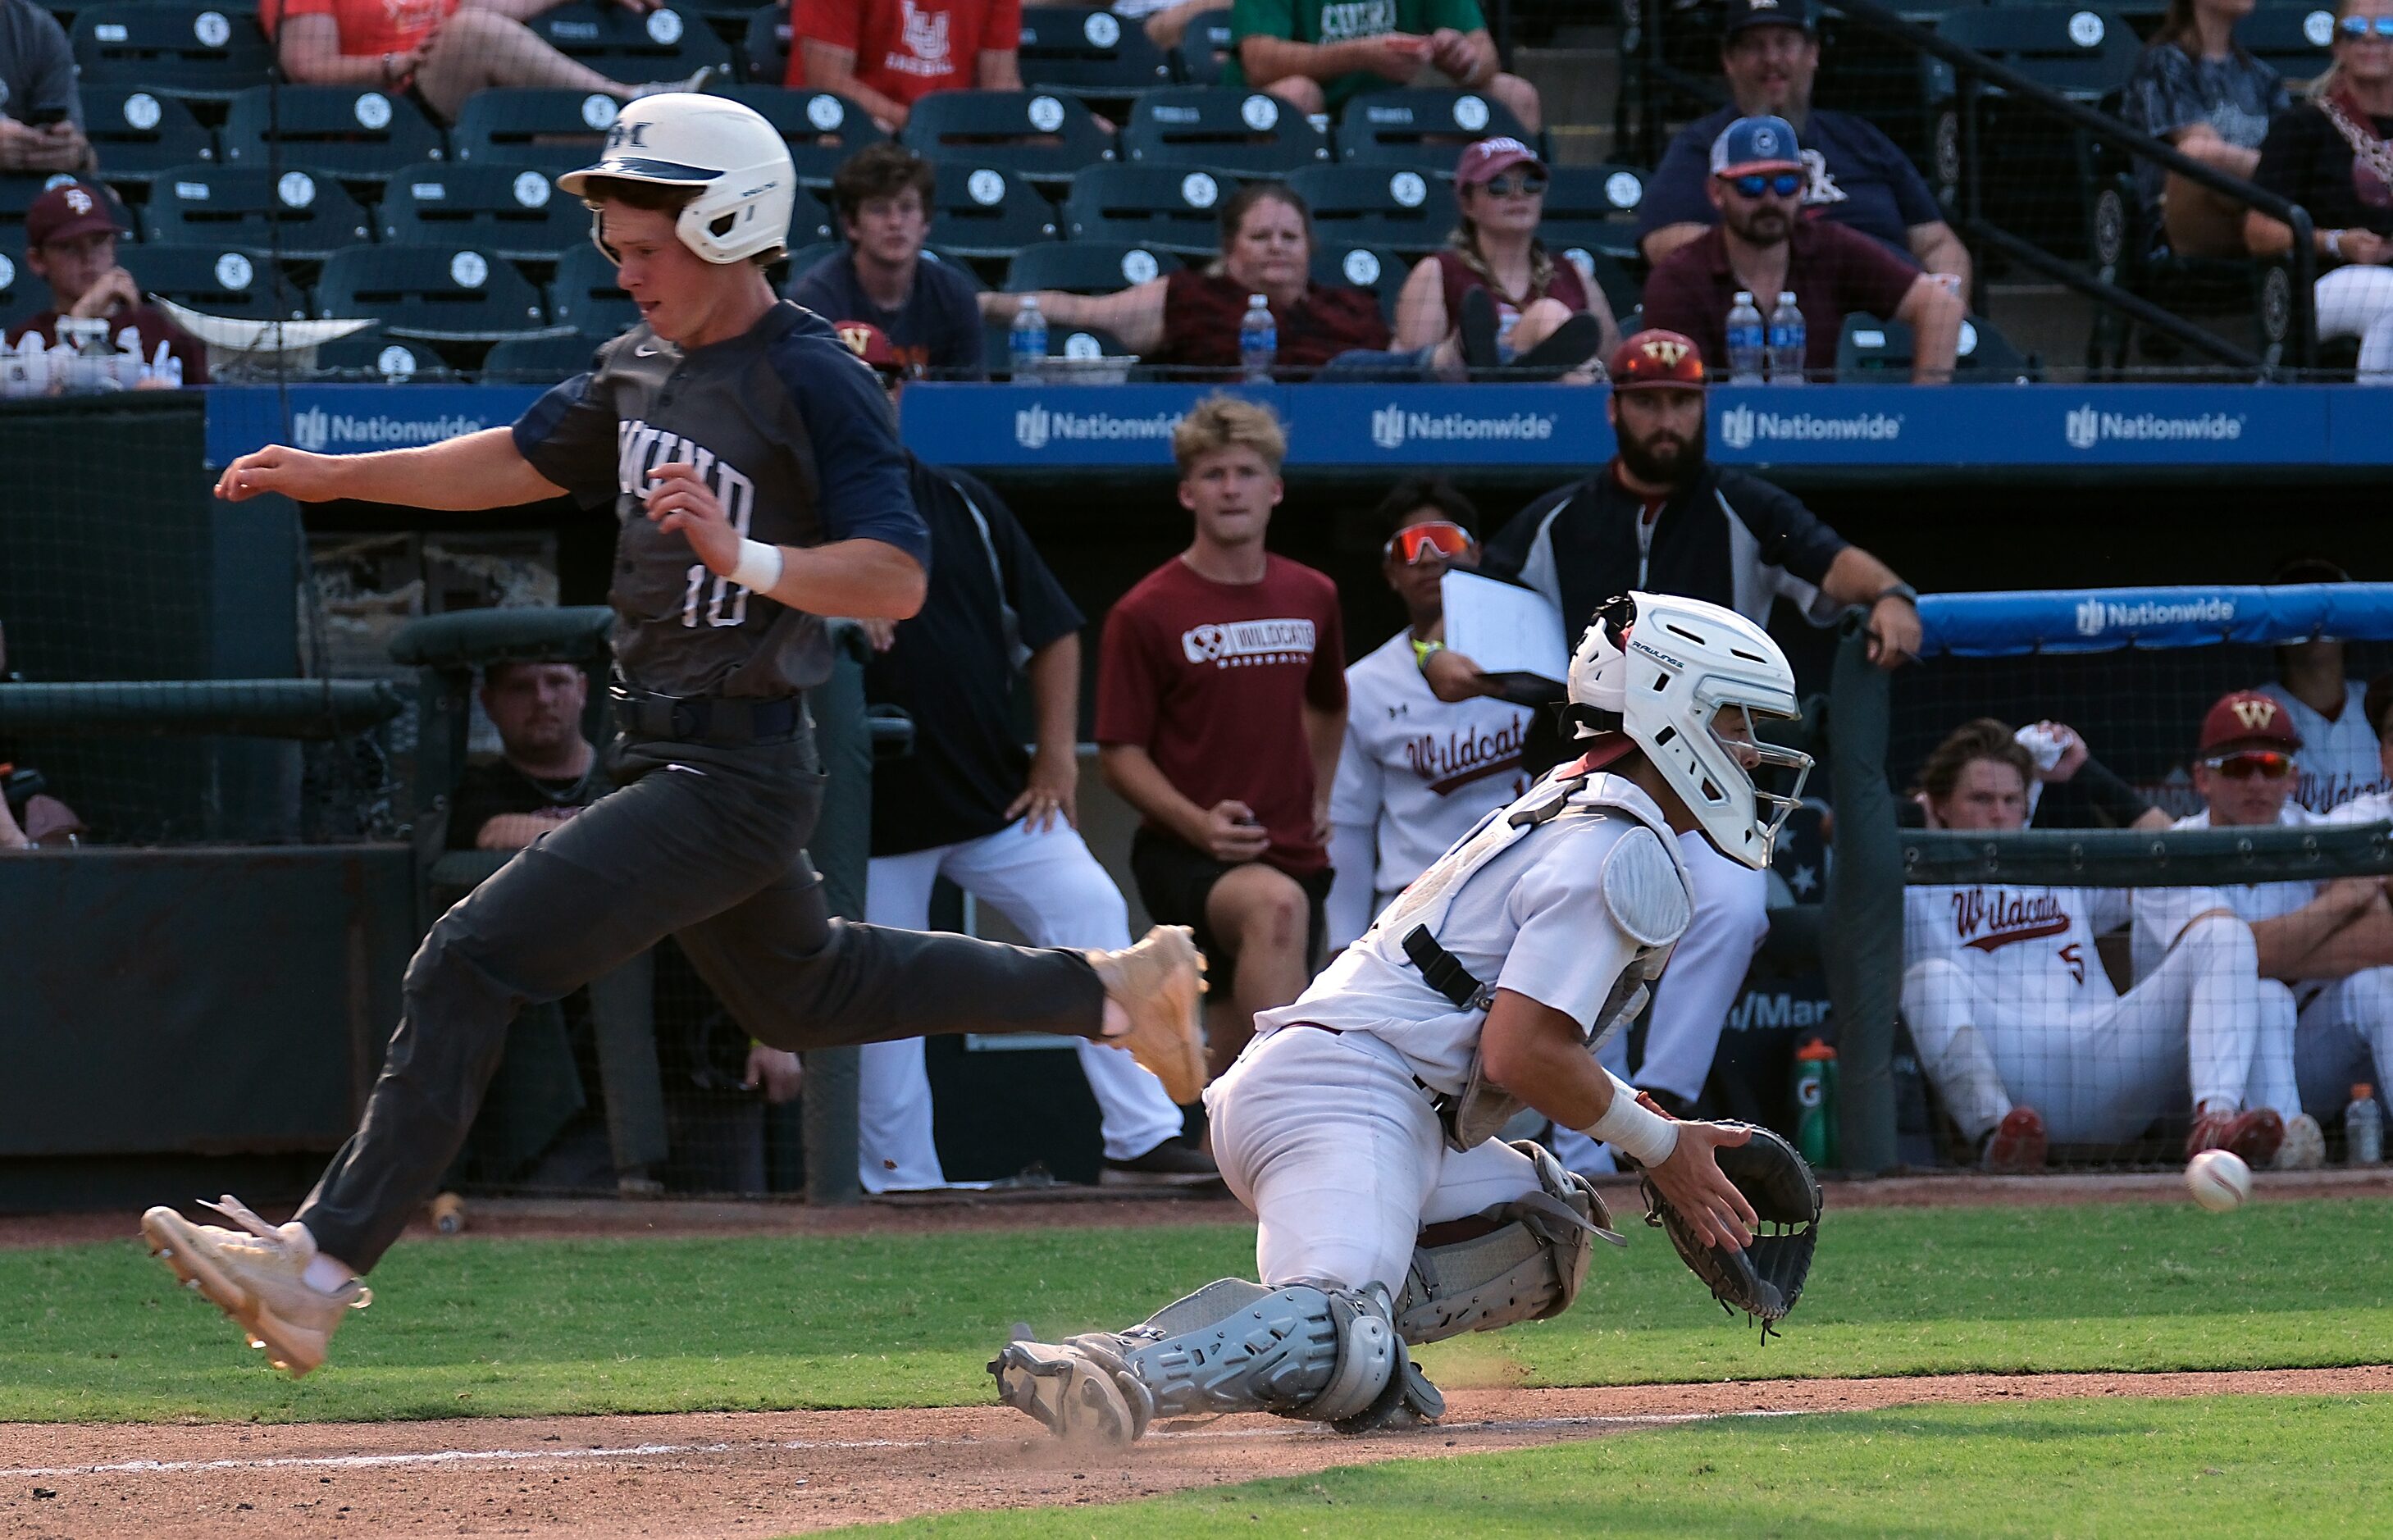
(712, 1475)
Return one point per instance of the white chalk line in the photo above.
(659, 1451)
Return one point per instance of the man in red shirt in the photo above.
(1220, 706)
(887, 55)
(70, 243)
(1765, 245)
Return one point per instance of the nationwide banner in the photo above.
(2104, 619)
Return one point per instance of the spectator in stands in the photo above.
(971, 806)
(442, 51)
(2055, 755)
(1220, 704)
(2376, 709)
(1500, 187)
(1166, 22)
(923, 308)
(2333, 154)
(2198, 88)
(1416, 772)
(70, 243)
(1191, 318)
(887, 55)
(1662, 518)
(1315, 55)
(2338, 758)
(41, 113)
(1764, 244)
(1854, 175)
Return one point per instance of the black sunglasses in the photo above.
(1507, 184)
(1786, 183)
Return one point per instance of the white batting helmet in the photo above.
(1684, 680)
(725, 148)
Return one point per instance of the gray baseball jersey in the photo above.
(793, 435)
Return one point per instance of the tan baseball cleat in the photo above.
(1159, 984)
(1067, 1389)
(255, 1275)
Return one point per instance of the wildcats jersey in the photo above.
(2020, 945)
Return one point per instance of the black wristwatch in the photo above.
(1904, 592)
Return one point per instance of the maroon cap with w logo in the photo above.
(2247, 719)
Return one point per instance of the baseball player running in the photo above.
(1365, 1112)
(751, 464)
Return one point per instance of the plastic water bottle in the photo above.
(1746, 340)
(1029, 341)
(1258, 339)
(2364, 1127)
(1787, 338)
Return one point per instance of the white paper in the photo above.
(1503, 629)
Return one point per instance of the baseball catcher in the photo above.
(1359, 1125)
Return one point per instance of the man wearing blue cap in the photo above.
(1764, 244)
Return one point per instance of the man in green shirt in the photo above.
(1316, 54)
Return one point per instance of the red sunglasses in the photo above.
(1415, 542)
(2259, 762)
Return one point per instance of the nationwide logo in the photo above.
(318, 430)
(2097, 616)
(2087, 425)
(1741, 428)
(1035, 427)
(1393, 426)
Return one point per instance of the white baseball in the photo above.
(2218, 1180)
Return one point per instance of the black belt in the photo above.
(707, 718)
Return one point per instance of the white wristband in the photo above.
(759, 567)
(1645, 1137)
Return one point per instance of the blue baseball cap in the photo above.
(1756, 144)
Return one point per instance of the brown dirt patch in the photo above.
(710, 1476)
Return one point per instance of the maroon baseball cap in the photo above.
(1485, 159)
(2247, 719)
(1656, 360)
(66, 212)
(870, 344)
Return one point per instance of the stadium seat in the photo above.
(537, 360)
(1159, 207)
(585, 297)
(357, 136)
(1593, 206)
(1422, 129)
(631, 46)
(961, 263)
(516, 212)
(374, 354)
(1092, 52)
(1063, 341)
(822, 130)
(18, 193)
(525, 125)
(1382, 272)
(1087, 267)
(220, 280)
(1372, 205)
(1622, 289)
(204, 52)
(765, 56)
(2291, 38)
(140, 132)
(1870, 351)
(2076, 51)
(442, 293)
(1038, 135)
(1204, 49)
(304, 216)
(21, 293)
(980, 211)
(1236, 132)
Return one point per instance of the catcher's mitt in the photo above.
(1765, 1278)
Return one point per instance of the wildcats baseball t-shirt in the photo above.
(1211, 679)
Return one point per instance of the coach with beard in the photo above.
(1662, 519)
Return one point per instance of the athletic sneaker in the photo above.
(2017, 1143)
(1173, 1163)
(2305, 1145)
(2253, 1136)
(1067, 1389)
(255, 1274)
(1161, 983)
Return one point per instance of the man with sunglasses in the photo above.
(1415, 773)
(1765, 245)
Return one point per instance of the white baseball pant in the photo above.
(1055, 892)
(2098, 1075)
(2357, 302)
(2343, 1034)
(1327, 1137)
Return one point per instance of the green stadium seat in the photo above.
(525, 125)
(979, 210)
(304, 214)
(822, 130)
(1870, 351)
(1037, 136)
(19, 191)
(2291, 38)
(1204, 49)
(1162, 208)
(1593, 206)
(220, 280)
(585, 297)
(1623, 289)
(1234, 133)
(2077, 50)
(1063, 341)
(1382, 272)
(1376, 205)
(357, 136)
(375, 355)
(204, 52)
(138, 133)
(764, 55)
(435, 293)
(630, 45)
(1087, 267)
(21, 293)
(517, 211)
(1092, 52)
(537, 360)
(1425, 129)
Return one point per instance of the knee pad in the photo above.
(1523, 1260)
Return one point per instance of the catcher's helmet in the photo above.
(1684, 680)
(725, 148)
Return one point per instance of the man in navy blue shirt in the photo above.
(1771, 55)
(924, 308)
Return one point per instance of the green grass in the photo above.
(2217, 1466)
(527, 1328)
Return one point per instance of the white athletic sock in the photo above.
(325, 1275)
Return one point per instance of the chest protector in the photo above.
(1646, 895)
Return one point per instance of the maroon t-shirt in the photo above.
(1211, 680)
(1832, 270)
(148, 321)
(1201, 312)
(1460, 278)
